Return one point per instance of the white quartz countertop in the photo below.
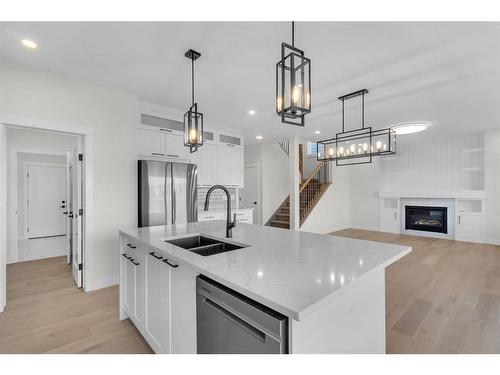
(292, 272)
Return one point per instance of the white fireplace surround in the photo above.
(440, 202)
(464, 215)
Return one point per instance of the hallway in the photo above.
(46, 313)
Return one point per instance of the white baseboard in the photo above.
(103, 283)
(491, 241)
(365, 227)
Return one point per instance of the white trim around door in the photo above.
(34, 124)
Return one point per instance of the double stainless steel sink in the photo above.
(205, 246)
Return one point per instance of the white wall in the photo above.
(333, 211)
(274, 169)
(21, 182)
(492, 183)
(114, 116)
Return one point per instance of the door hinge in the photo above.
(27, 230)
(80, 267)
(27, 175)
(80, 157)
(80, 211)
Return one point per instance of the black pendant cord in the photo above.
(192, 81)
(363, 110)
(293, 34)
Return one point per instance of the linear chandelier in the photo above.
(357, 146)
(293, 84)
(193, 120)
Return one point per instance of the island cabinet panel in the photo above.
(183, 310)
(140, 287)
(157, 303)
(159, 296)
(353, 322)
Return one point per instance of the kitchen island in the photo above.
(331, 289)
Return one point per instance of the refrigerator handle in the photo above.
(174, 204)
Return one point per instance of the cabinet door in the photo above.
(235, 166)
(389, 220)
(129, 285)
(183, 310)
(175, 148)
(222, 165)
(140, 286)
(157, 303)
(150, 142)
(205, 159)
(469, 227)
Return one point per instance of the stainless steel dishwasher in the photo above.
(228, 322)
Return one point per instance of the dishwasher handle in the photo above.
(257, 333)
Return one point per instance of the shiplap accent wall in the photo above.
(452, 164)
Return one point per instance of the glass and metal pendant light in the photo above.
(193, 120)
(357, 146)
(293, 84)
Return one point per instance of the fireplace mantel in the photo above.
(458, 194)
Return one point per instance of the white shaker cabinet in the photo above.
(150, 142)
(205, 159)
(157, 303)
(159, 296)
(174, 147)
(469, 227)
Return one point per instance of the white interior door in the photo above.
(76, 216)
(251, 191)
(67, 207)
(46, 194)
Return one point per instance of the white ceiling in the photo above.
(445, 73)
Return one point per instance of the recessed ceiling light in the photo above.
(251, 112)
(259, 137)
(410, 127)
(317, 132)
(29, 43)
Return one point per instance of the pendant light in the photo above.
(356, 146)
(293, 84)
(193, 120)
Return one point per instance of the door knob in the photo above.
(65, 213)
(254, 202)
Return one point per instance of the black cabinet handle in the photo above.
(155, 256)
(157, 154)
(170, 264)
(173, 156)
(131, 246)
(133, 261)
(126, 256)
(166, 130)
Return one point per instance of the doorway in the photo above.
(251, 195)
(44, 197)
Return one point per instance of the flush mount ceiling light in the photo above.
(356, 146)
(251, 112)
(193, 120)
(293, 84)
(259, 137)
(410, 127)
(317, 132)
(29, 43)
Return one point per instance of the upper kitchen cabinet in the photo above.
(161, 138)
(219, 159)
(205, 159)
(230, 161)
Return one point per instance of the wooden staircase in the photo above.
(311, 190)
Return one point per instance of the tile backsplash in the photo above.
(217, 199)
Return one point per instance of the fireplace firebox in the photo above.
(429, 219)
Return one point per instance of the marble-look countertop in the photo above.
(292, 272)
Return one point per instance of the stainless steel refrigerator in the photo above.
(167, 193)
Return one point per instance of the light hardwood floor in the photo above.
(443, 297)
(46, 313)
